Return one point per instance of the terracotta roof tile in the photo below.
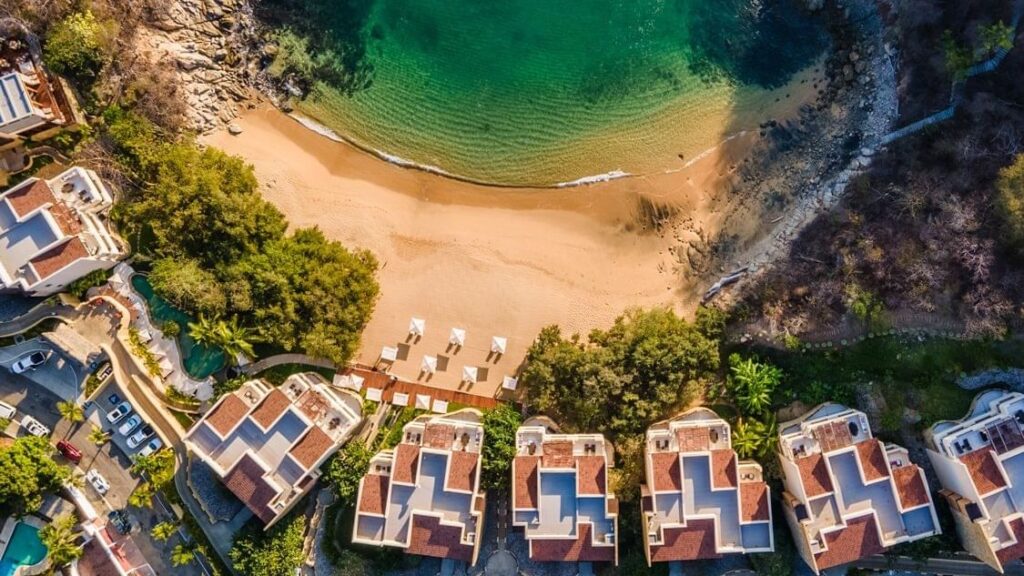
(1014, 551)
(910, 486)
(462, 471)
(833, 435)
(557, 454)
(696, 541)
(430, 538)
(814, 475)
(56, 258)
(984, 470)
(693, 439)
(581, 549)
(406, 463)
(872, 459)
(665, 467)
(590, 471)
(754, 504)
(272, 406)
(227, 414)
(246, 481)
(374, 494)
(723, 469)
(311, 447)
(27, 198)
(440, 436)
(857, 540)
(526, 482)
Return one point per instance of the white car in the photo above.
(98, 481)
(6, 411)
(154, 445)
(129, 425)
(34, 427)
(140, 436)
(119, 411)
(29, 361)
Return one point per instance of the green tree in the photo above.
(184, 283)
(98, 436)
(994, 37)
(72, 412)
(27, 471)
(163, 531)
(277, 552)
(754, 438)
(753, 383)
(158, 466)
(500, 425)
(959, 58)
(345, 469)
(233, 339)
(78, 45)
(183, 554)
(1010, 205)
(142, 496)
(60, 537)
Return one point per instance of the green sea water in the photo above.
(538, 92)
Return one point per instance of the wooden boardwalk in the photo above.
(391, 385)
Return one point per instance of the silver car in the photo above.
(129, 425)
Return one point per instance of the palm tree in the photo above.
(98, 436)
(753, 383)
(71, 412)
(233, 339)
(745, 439)
(204, 330)
(59, 538)
(183, 554)
(163, 531)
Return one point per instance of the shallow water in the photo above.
(546, 91)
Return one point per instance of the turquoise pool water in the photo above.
(24, 549)
(200, 361)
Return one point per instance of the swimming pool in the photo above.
(24, 549)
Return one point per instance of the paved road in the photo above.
(941, 566)
(35, 316)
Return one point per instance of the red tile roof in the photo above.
(272, 406)
(693, 439)
(693, 542)
(857, 540)
(833, 435)
(557, 454)
(227, 414)
(590, 470)
(526, 482)
(723, 469)
(374, 495)
(440, 436)
(246, 481)
(94, 561)
(581, 549)
(430, 538)
(754, 503)
(406, 463)
(56, 258)
(910, 486)
(1014, 551)
(984, 470)
(462, 471)
(28, 198)
(872, 459)
(665, 467)
(308, 450)
(814, 475)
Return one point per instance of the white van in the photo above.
(6, 411)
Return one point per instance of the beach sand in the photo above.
(494, 261)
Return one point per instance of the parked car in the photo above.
(6, 411)
(120, 411)
(129, 425)
(34, 427)
(29, 361)
(120, 520)
(140, 436)
(98, 481)
(69, 451)
(114, 399)
(154, 445)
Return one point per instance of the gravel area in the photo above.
(213, 495)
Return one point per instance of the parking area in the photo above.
(59, 375)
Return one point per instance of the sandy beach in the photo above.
(494, 261)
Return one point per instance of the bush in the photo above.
(1010, 205)
(277, 552)
(171, 329)
(27, 472)
(79, 287)
(187, 286)
(78, 46)
(345, 469)
(500, 425)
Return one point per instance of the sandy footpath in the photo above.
(494, 261)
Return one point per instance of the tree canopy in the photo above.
(78, 45)
(27, 472)
(277, 552)
(1010, 205)
(345, 469)
(500, 425)
(60, 539)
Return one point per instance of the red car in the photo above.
(69, 451)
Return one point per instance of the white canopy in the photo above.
(166, 367)
(429, 364)
(457, 337)
(469, 374)
(350, 381)
(400, 399)
(440, 406)
(423, 402)
(389, 353)
(374, 394)
(417, 326)
(144, 335)
(509, 383)
(116, 282)
(498, 344)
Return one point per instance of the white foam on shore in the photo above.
(613, 175)
(399, 161)
(316, 127)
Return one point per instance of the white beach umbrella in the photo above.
(469, 374)
(509, 383)
(389, 353)
(417, 326)
(440, 406)
(400, 399)
(145, 335)
(422, 402)
(429, 364)
(498, 344)
(374, 394)
(457, 337)
(166, 367)
(350, 381)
